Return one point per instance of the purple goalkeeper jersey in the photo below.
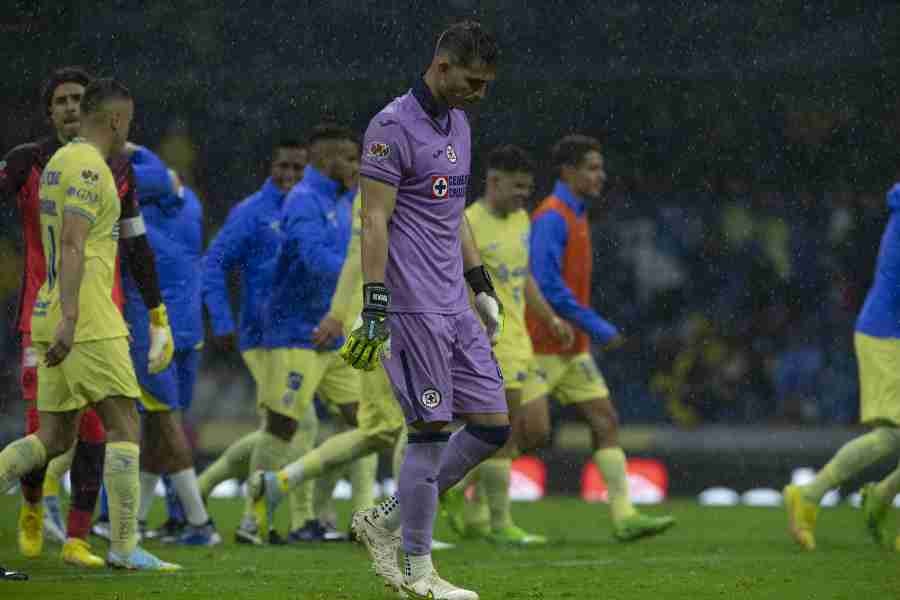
(424, 150)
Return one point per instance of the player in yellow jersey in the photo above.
(379, 421)
(500, 225)
(77, 329)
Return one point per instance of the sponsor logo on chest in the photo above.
(449, 186)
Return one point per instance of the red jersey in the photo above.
(20, 177)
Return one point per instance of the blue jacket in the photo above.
(175, 232)
(248, 243)
(549, 233)
(880, 314)
(316, 224)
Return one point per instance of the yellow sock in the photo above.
(55, 471)
(323, 501)
(494, 475)
(232, 464)
(300, 497)
(852, 458)
(18, 458)
(611, 462)
(123, 488)
(362, 478)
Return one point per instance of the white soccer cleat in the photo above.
(432, 587)
(381, 544)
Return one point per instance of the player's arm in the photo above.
(349, 281)
(536, 301)
(485, 298)
(548, 238)
(76, 225)
(226, 253)
(14, 172)
(140, 260)
(365, 344)
(150, 172)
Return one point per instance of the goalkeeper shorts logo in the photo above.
(431, 398)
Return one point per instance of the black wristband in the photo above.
(376, 298)
(480, 280)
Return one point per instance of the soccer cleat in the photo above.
(432, 587)
(801, 517)
(639, 526)
(101, 530)
(12, 575)
(316, 531)
(248, 532)
(453, 509)
(167, 533)
(54, 529)
(31, 529)
(139, 560)
(78, 552)
(381, 544)
(513, 535)
(874, 514)
(199, 535)
(276, 539)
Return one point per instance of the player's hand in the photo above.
(327, 332)
(62, 343)
(563, 332)
(369, 341)
(486, 302)
(162, 346)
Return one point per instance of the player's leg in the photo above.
(55, 471)
(876, 500)
(31, 512)
(105, 376)
(301, 498)
(880, 407)
(583, 385)
(468, 385)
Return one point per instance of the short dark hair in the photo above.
(59, 77)
(510, 158)
(287, 142)
(101, 91)
(468, 42)
(572, 149)
(330, 131)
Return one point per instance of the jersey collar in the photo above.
(562, 191)
(434, 108)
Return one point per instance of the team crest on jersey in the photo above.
(90, 177)
(439, 186)
(431, 398)
(378, 150)
(294, 380)
(451, 154)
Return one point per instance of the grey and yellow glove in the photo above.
(367, 343)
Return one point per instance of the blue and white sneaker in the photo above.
(139, 560)
(200, 535)
(54, 529)
(265, 488)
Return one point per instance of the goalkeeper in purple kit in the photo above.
(417, 254)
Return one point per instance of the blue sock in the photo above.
(173, 504)
(104, 505)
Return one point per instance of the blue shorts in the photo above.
(173, 389)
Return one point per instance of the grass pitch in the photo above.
(713, 553)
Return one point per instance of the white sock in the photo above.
(294, 472)
(416, 567)
(188, 491)
(148, 493)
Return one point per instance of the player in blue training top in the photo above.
(417, 255)
(248, 244)
(877, 342)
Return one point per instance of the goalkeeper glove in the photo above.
(162, 347)
(486, 302)
(368, 341)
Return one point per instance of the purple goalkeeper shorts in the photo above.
(442, 366)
